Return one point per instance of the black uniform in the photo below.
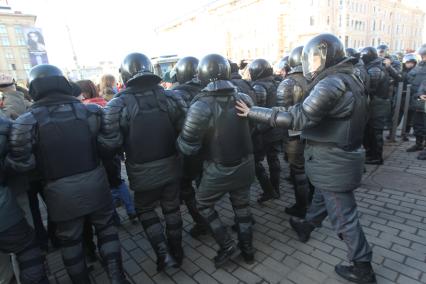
(188, 88)
(144, 120)
(58, 138)
(290, 92)
(407, 58)
(213, 128)
(16, 236)
(267, 141)
(332, 119)
(380, 105)
(415, 77)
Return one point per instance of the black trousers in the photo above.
(70, 234)
(146, 202)
(21, 240)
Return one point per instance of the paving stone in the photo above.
(204, 278)
(246, 276)
(403, 269)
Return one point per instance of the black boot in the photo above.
(164, 259)
(198, 230)
(275, 182)
(115, 271)
(360, 272)
(245, 242)
(302, 196)
(418, 146)
(268, 189)
(176, 251)
(302, 228)
(228, 249)
(374, 161)
(200, 227)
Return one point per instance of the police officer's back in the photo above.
(58, 138)
(144, 120)
(213, 128)
(184, 73)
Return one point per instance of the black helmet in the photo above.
(283, 64)
(260, 68)
(422, 50)
(352, 52)
(186, 69)
(369, 54)
(213, 67)
(138, 67)
(411, 57)
(382, 50)
(47, 79)
(320, 53)
(295, 58)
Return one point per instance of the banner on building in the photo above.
(36, 46)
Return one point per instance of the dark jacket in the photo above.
(118, 118)
(380, 104)
(415, 77)
(213, 128)
(188, 90)
(10, 213)
(70, 196)
(332, 120)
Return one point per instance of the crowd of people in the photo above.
(204, 136)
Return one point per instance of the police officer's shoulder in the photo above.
(258, 88)
(176, 96)
(93, 108)
(332, 84)
(375, 73)
(25, 119)
(116, 102)
(287, 84)
(245, 98)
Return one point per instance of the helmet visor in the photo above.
(313, 61)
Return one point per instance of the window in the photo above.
(374, 26)
(5, 41)
(24, 54)
(3, 29)
(27, 66)
(311, 20)
(12, 66)
(9, 54)
(328, 20)
(340, 21)
(21, 41)
(346, 40)
(18, 30)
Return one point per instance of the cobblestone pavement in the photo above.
(392, 202)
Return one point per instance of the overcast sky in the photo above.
(106, 29)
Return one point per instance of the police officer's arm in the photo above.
(321, 100)
(194, 128)
(113, 121)
(395, 74)
(21, 140)
(261, 95)
(177, 108)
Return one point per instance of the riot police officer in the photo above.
(213, 128)
(290, 92)
(185, 73)
(361, 71)
(58, 138)
(380, 105)
(409, 61)
(267, 141)
(144, 120)
(383, 52)
(283, 68)
(333, 154)
(16, 236)
(416, 77)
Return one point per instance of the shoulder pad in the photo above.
(259, 88)
(93, 108)
(245, 98)
(116, 102)
(26, 119)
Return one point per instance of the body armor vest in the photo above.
(244, 87)
(271, 90)
(229, 140)
(345, 133)
(151, 135)
(66, 146)
(382, 89)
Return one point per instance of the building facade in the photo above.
(247, 29)
(14, 54)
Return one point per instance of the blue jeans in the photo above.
(122, 193)
(342, 210)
